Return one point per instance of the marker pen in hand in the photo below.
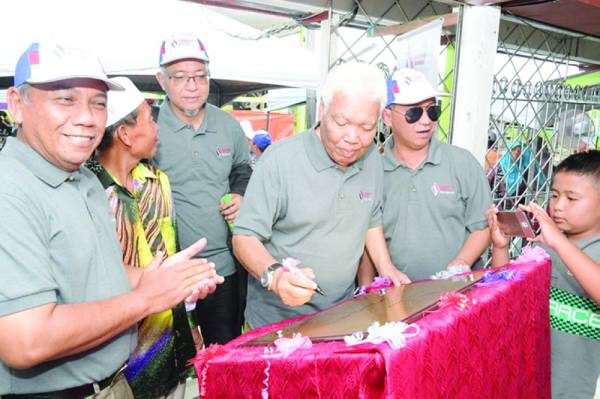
(291, 265)
(225, 199)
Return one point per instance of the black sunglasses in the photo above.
(413, 114)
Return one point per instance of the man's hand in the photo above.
(294, 289)
(231, 209)
(499, 239)
(394, 275)
(458, 265)
(164, 284)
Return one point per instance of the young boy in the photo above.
(570, 233)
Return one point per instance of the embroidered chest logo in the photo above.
(223, 152)
(438, 189)
(365, 196)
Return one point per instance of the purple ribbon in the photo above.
(379, 283)
(492, 278)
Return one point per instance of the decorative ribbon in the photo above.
(267, 354)
(454, 300)
(290, 263)
(446, 274)
(492, 278)
(531, 253)
(394, 333)
(574, 314)
(283, 348)
(379, 284)
(286, 346)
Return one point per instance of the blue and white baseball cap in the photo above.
(122, 103)
(407, 86)
(181, 46)
(46, 62)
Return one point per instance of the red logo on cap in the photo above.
(34, 57)
(395, 88)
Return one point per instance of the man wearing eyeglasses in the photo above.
(204, 152)
(435, 194)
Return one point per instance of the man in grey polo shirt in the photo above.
(435, 194)
(316, 197)
(204, 152)
(68, 306)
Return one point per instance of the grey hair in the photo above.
(165, 73)
(109, 133)
(357, 80)
(24, 91)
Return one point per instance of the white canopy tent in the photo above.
(126, 35)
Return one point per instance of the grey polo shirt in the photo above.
(58, 245)
(199, 164)
(575, 359)
(299, 203)
(429, 212)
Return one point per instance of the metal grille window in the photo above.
(537, 116)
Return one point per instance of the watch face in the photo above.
(265, 278)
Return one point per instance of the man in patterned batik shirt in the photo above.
(140, 199)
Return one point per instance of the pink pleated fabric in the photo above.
(499, 347)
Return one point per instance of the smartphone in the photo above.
(515, 223)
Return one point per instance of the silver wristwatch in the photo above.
(266, 277)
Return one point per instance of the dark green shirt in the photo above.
(429, 212)
(301, 204)
(202, 166)
(57, 245)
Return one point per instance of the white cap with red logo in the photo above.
(46, 62)
(181, 46)
(407, 86)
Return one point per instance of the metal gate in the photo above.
(538, 117)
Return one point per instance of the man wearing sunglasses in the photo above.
(435, 194)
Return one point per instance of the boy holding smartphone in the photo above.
(570, 233)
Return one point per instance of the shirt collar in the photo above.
(587, 241)
(139, 173)
(172, 121)
(319, 157)
(434, 155)
(37, 164)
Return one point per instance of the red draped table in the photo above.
(499, 347)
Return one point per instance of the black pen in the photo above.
(319, 290)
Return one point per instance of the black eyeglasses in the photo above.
(414, 114)
(179, 80)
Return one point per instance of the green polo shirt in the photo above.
(199, 164)
(429, 212)
(57, 245)
(575, 359)
(301, 204)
